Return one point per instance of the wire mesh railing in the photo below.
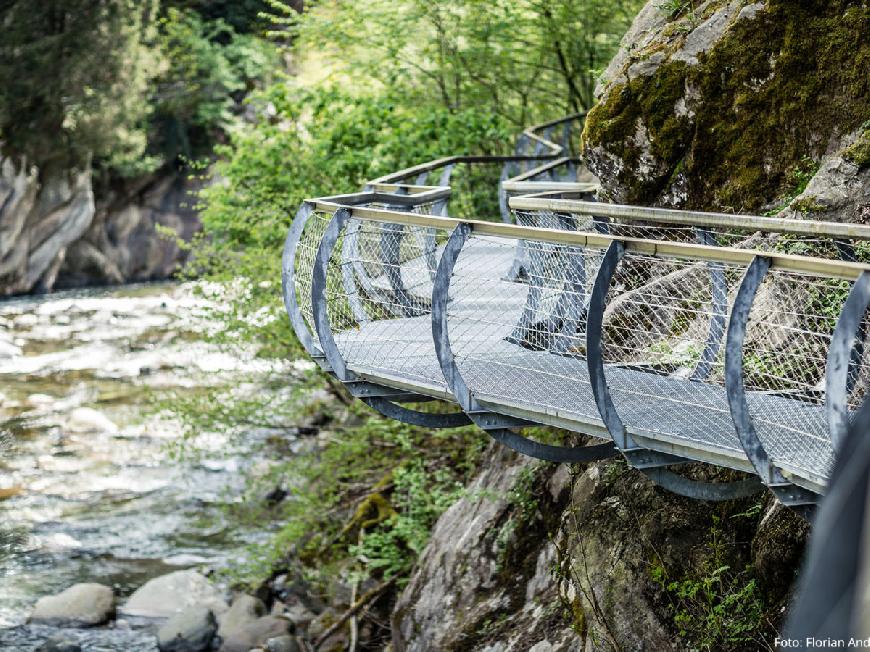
(679, 336)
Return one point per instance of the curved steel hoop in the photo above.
(457, 385)
(843, 357)
(390, 246)
(734, 387)
(288, 280)
(354, 273)
(415, 417)
(712, 491)
(440, 298)
(770, 475)
(594, 354)
(553, 332)
(318, 295)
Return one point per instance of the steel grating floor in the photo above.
(693, 415)
(670, 414)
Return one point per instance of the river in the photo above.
(88, 488)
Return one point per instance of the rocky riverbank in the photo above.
(178, 612)
(91, 494)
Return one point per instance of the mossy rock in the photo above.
(859, 151)
(779, 84)
(373, 510)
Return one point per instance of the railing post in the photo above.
(770, 475)
(288, 280)
(355, 272)
(843, 357)
(390, 255)
(718, 310)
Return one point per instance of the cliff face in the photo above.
(564, 558)
(728, 104)
(122, 243)
(54, 233)
(38, 221)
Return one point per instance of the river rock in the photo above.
(254, 634)
(191, 630)
(8, 348)
(164, 596)
(40, 400)
(299, 615)
(84, 419)
(81, 605)
(284, 643)
(244, 611)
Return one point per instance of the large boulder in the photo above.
(81, 605)
(562, 559)
(728, 104)
(167, 595)
(190, 630)
(254, 634)
(244, 611)
(485, 573)
(840, 190)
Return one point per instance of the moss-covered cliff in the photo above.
(724, 104)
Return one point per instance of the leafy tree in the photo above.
(242, 16)
(75, 74)
(209, 69)
(315, 142)
(523, 59)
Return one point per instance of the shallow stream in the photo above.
(88, 489)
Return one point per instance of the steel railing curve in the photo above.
(456, 383)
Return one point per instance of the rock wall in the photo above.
(556, 558)
(122, 243)
(54, 233)
(719, 105)
(39, 219)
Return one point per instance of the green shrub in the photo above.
(718, 607)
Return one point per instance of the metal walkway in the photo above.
(630, 324)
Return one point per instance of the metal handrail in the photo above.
(818, 266)
(693, 218)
